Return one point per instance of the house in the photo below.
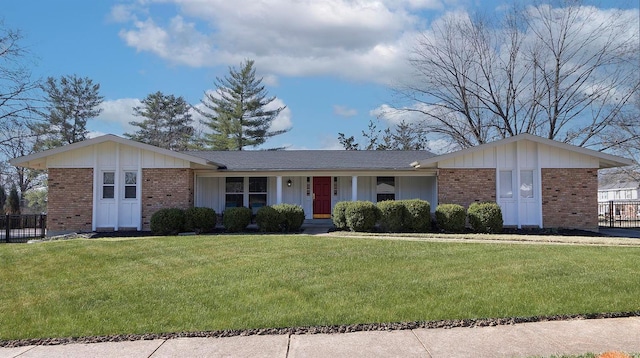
(618, 201)
(111, 183)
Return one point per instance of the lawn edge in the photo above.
(348, 328)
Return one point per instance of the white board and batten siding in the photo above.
(518, 175)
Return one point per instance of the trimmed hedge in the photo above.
(393, 215)
(361, 215)
(485, 217)
(418, 215)
(269, 219)
(339, 215)
(167, 221)
(200, 220)
(236, 219)
(292, 216)
(451, 217)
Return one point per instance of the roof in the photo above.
(271, 160)
(606, 160)
(37, 160)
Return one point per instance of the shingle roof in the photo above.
(313, 159)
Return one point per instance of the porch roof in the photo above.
(292, 160)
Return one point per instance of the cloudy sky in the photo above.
(331, 62)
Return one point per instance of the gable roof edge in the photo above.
(116, 139)
(612, 160)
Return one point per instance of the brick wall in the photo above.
(165, 188)
(465, 186)
(570, 198)
(70, 200)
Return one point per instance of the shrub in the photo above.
(418, 215)
(485, 217)
(200, 220)
(292, 216)
(339, 217)
(393, 215)
(361, 215)
(451, 217)
(236, 219)
(167, 221)
(268, 219)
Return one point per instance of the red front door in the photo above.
(321, 197)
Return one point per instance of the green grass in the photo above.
(152, 285)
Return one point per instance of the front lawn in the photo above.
(195, 283)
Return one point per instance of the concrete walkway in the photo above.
(521, 340)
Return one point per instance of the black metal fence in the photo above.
(21, 228)
(619, 213)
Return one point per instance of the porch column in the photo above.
(354, 188)
(279, 190)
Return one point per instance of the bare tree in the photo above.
(565, 73)
(19, 93)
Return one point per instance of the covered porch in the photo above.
(315, 191)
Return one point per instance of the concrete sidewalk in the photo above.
(520, 340)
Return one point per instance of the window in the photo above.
(108, 185)
(335, 186)
(526, 184)
(506, 184)
(130, 184)
(386, 188)
(234, 192)
(253, 188)
(257, 193)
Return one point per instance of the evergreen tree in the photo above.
(236, 112)
(3, 196)
(166, 123)
(12, 206)
(72, 101)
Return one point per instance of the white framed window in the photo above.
(385, 188)
(526, 184)
(130, 184)
(108, 185)
(506, 184)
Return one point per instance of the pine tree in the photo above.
(236, 112)
(3, 196)
(12, 206)
(72, 101)
(166, 123)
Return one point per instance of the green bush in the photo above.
(418, 215)
(269, 219)
(167, 221)
(393, 215)
(339, 216)
(236, 219)
(200, 220)
(361, 215)
(292, 216)
(451, 217)
(485, 217)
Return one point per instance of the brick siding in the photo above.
(570, 198)
(70, 200)
(465, 186)
(165, 188)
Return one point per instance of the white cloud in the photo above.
(344, 111)
(364, 40)
(118, 112)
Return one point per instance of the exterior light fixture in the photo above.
(289, 183)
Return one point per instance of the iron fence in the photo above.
(619, 214)
(21, 228)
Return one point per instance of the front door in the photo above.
(321, 197)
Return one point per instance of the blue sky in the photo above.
(331, 62)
